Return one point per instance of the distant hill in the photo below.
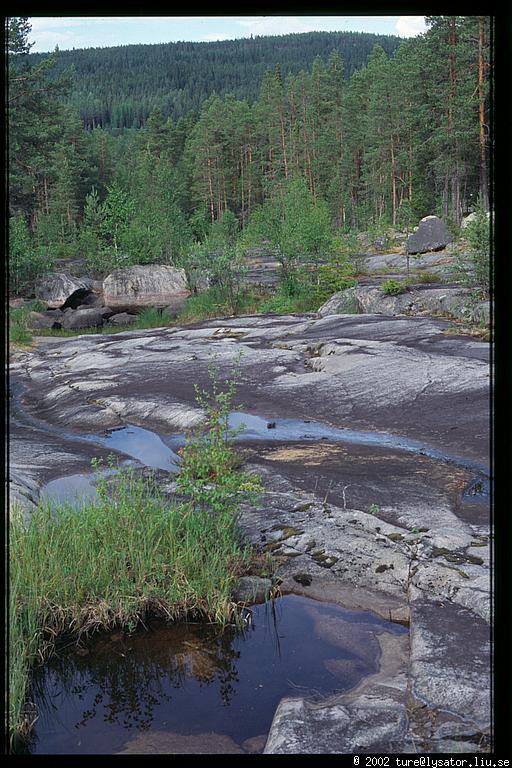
(118, 87)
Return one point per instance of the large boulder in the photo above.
(431, 235)
(138, 287)
(341, 303)
(59, 290)
(122, 318)
(82, 318)
(39, 320)
(471, 218)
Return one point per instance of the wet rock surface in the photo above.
(369, 526)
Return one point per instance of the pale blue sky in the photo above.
(94, 31)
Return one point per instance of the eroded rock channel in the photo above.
(382, 508)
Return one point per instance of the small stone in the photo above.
(303, 578)
(252, 589)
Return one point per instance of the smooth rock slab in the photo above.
(450, 659)
(370, 299)
(367, 725)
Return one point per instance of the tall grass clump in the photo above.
(130, 553)
(19, 326)
(152, 318)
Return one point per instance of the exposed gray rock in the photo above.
(481, 313)
(471, 218)
(82, 318)
(438, 262)
(443, 676)
(377, 528)
(252, 589)
(37, 320)
(106, 312)
(467, 220)
(57, 289)
(369, 725)
(431, 235)
(342, 303)
(138, 287)
(452, 302)
(122, 318)
(93, 299)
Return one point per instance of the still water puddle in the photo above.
(196, 688)
(160, 451)
(143, 445)
(72, 488)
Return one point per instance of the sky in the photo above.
(95, 31)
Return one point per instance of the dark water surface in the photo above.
(175, 682)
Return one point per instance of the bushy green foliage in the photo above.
(295, 226)
(209, 473)
(474, 268)
(220, 257)
(151, 318)
(393, 287)
(330, 278)
(19, 331)
(26, 261)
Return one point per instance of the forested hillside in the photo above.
(118, 87)
(315, 153)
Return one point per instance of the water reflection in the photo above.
(189, 679)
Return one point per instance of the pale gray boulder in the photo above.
(139, 287)
(57, 289)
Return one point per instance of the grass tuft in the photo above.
(130, 553)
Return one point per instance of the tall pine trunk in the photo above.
(484, 189)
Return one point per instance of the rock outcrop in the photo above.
(139, 287)
(372, 525)
(448, 301)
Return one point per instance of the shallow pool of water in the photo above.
(194, 687)
(143, 445)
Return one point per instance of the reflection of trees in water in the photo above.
(131, 675)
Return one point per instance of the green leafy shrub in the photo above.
(474, 269)
(27, 262)
(209, 473)
(393, 287)
(19, 330)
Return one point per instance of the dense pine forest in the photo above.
(329, 143)
(119, 87)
